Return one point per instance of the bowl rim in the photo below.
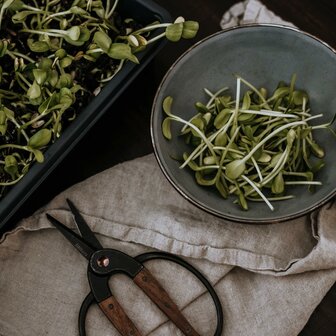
(275, 220)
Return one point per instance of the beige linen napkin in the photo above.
(269, 278)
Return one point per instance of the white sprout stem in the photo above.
(255, 90)
(237, 97)
(303, 183)
(212, 167)
(257, 168)
(320, 126)
(200, 148)
(258, 191)
(280, 198)
(276, 131)
(213, 96)
(279, 142)
(151, 27)
(269, 113)
(304, 105)
(190, 120)
(112, 9)
(12, 182)
(229, 144)
(104, 80)
(277, 167)
(229, 149)
(314, 117)
(156, 38)
(202, 136)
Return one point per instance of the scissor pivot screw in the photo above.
(103, 261)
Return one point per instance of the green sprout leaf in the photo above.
(166, 130)
(40, 139)
(40, 76)
(38, 46)
(39, 157)
(11, 166)
(122, 51)
(34, 91)
(190, 29)
(102, 40)
(167, 103)
(3, 47)
(235, 169)
(174, 32)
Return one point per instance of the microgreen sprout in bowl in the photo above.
(255, 145)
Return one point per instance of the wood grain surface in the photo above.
(152, 288)
(116, 314)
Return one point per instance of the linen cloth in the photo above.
(269, 278)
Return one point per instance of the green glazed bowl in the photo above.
(263, 55)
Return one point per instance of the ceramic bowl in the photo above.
(264, 55)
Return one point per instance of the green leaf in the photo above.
(201, 180)
(246, 100)
(235, 169)
(317, 150)
(38, 46)
(53, 78)
(190, 29)
(199, 123)
(40, 139)
(222, 118)
(102, 40)
(11, 166)
(242, 201)
(64, 80)
(3, 129)
(39, 157)
(65, 62)
(174, 32)
(73, 33)
(278, 184)
(3, 116)
(40, 76)
(60, 53)
(275, 160)
(21, 16)
(298, 97)
(3, 47)
(9, 113)
(201, 107)
(166, 131)
(122, 51)
(16, 5)
(84, 34)
(34, 91)
(280, 92)
(221, 139)
(166, 105)
(222, 188)
(77, 10)
(45, 63)
(264, 158)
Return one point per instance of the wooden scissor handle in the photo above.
(116, 314)
(152, 288)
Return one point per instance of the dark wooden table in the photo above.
(123, 133)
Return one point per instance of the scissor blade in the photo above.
(77, 241)
(83, 228)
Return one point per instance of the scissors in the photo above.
(106, 262)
